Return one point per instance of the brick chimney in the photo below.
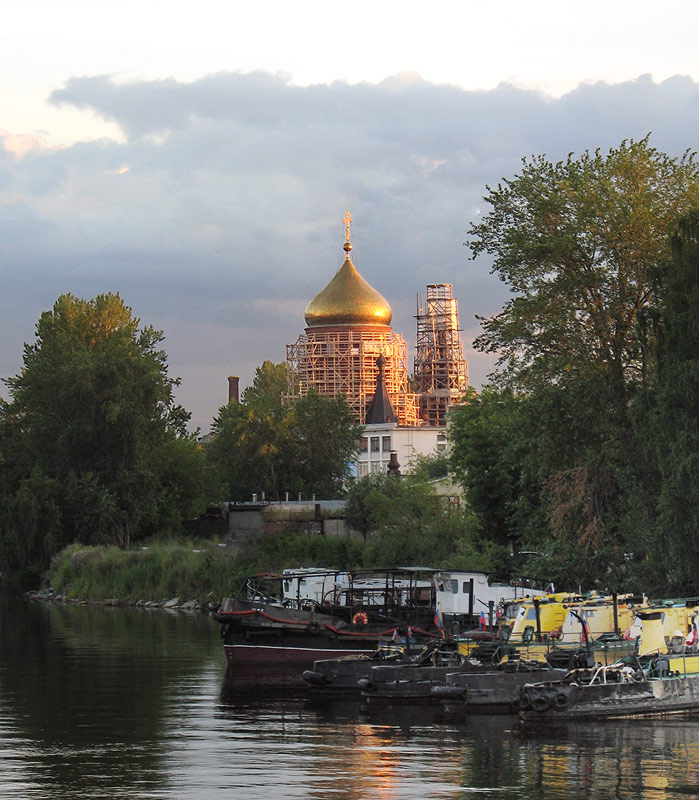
(233, 389)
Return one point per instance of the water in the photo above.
(123, 703)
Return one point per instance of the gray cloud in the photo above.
(220, 214)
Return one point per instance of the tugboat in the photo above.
(304, 615)
(662, 679)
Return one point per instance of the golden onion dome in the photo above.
(347, 300)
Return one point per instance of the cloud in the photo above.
(218, 214)
(21, 144)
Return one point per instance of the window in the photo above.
(454, 587)
(365, 445)
(363, 469)
(376, 467)
(467, 587)
(375, 444)
(386, 444)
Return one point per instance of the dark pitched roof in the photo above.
(380, 408)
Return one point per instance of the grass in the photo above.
(159, 571)
(202, 570)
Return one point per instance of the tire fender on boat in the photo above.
(561, 701)
(541, 703)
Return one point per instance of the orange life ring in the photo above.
(360, 618)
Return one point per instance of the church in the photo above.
(348, 347)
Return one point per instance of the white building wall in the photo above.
(380, 439)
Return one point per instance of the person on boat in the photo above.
(691, 636)
(360, 618)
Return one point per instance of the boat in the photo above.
(419, 683)
(662, 679)
(466, 599)
(492, 691)
(304, 615)
(344, 677)
(606, 692)
(567, 630)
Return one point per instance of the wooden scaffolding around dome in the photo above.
(441, 371)
(343, 361)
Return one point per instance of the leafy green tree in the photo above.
(265, 393)
(673, 431)
(578, 243)
(250, 450)
(489, 456)
(430, 467)
(262, 445)
(404, 522)
(89, 415)
(326, 437)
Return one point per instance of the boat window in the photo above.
(454, 587)
(467, 587)
(440, 586)
(531, 614)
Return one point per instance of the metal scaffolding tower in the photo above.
(441, 371)
(343, 361)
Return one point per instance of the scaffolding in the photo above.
(441, 371)
(343, 362)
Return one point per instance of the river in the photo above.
(128, 703)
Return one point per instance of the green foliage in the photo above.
(263, 446)
(489, 453)
(563, 462)
(92, 413)
(303, 550)
(198, 570)
(325, 438)
(427, 468)
(577, 242)
(673, 412)
(405, 523)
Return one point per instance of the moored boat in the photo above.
(492, 691)
(663, 679)
(342, 677)
(609, 692)
(302, 616)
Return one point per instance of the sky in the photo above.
(199, 159)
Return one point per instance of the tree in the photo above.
(405, 522)
(579, 244)
(489, 454)
(673, 431)
(261, 445)
(89, 415)
(326, 438)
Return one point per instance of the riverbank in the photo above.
(191, 575)
(182, 573)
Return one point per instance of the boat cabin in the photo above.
(463, 596)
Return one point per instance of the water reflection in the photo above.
(116, 703)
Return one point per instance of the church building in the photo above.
(349, 348)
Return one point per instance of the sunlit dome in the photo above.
(348, 300)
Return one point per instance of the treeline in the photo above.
(94, 449)
(585, 446)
